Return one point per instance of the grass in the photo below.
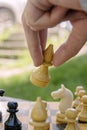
(71, 74)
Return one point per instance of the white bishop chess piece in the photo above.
(39, 119)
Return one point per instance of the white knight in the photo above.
(66, 97)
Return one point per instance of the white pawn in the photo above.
(77, 101)
(81, 94)
(82, 117)
(78, 88)
(71, 115)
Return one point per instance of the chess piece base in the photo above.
(70, 127)
(38, 82)
(82, 122)
(12, 128)
(82, 118)
(60, 118)
(40, 125)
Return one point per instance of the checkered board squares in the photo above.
(24, 115)
(52, 110)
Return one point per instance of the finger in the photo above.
(69, 49)
(70, 4)
(43, 38)
(49, 19)
(33, 41)
(75, 15)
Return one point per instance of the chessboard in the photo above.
(24, 115)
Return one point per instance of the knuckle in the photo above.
(26, 19)
(33, 25)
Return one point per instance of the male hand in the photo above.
(38, 16)
(36, 35)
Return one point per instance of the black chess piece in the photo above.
(12, 122)
(1, 94)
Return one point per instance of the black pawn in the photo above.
(1, 94)
(12, 122)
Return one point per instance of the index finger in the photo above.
(34, 45)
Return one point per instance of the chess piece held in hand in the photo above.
(40, 77)
(66, 97)
(39, 117)
(12, 122)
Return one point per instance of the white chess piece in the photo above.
(71, 115)
(77, 101)
(66, 97)
(39, 119)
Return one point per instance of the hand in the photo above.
(36, 40)
(40, 15)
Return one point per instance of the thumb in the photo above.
(68, 49)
